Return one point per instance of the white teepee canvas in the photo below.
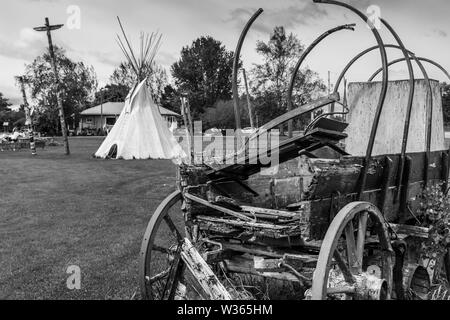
(140, 132)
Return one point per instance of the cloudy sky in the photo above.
(423, 25)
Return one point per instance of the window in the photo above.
(89, 120)
(110, 121)
(171, 119)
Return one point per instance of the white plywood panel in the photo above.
(363, 99)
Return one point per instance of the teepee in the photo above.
(140, 132)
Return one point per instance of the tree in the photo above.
(111, 93)
(204, 73)
(78, 84)
(170, 99)
(124, 75)
(14, 118)
(270, 80)
(221, 115)
(4, 103)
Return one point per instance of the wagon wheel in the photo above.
(160, 266)
(342, 255)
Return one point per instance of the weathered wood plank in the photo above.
(270, 212)
(362, 103)
(412, 231)
(215, 207)
(247, 224)
(290, 256)
(267, 265)
(201, 271)
(246, 266)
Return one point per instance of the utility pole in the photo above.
(49, 28)
(101, 110)
(249, 105)
(29, 120)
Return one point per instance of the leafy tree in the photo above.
(15, 118)
(170, 99)
(270, 80)
(204, 73)
(124, 75)
(221, 115)
(4, 103)
(77, 86)
(111, 93)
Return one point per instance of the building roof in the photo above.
(115, 108)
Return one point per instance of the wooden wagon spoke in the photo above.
(348, 276)
(158, 277)
(361, 237)
(172, 277)
(176, 279)
(161, 249)
(351, 245)
(173, 227)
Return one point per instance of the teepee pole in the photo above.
(128, 44)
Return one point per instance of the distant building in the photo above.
(91, 119)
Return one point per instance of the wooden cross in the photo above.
(49, 28)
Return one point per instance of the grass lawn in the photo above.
(57, 211)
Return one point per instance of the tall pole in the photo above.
(28, 115)
(101, 111)
(49, 28)
(249, 105)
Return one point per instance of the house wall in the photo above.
(97, 122)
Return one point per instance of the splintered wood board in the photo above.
(363, 99)
(203, 274)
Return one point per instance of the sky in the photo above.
(91, 26)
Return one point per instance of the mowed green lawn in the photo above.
(57, 211)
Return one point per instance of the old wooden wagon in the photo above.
(337, 217)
